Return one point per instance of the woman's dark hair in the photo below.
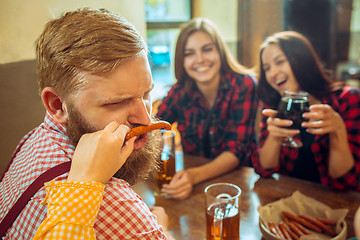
(304, 63)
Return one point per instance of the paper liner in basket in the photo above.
(300, 204)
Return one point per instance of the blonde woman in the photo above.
(214, 104)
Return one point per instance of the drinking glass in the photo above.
(222, 211)
(167, 160)
(292, 106)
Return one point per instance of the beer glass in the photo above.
(292, 106)
(167, 160)
(222, 211)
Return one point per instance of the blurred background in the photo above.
(333, 27)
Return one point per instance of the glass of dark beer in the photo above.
(292, 106)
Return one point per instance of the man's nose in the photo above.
(140, 112)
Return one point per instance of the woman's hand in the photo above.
(180, 186)
(162, 219)
(161, 215)
(99, 155)
(277, 127)
(357, 223)
(323, 120)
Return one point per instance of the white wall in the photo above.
(21, 22)
(223, 13)
(260, 18)
(354, 48)
(355, 17)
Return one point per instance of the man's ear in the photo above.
(54, 105)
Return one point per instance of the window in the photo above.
(163, 19)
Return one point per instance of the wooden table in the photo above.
(187, 217)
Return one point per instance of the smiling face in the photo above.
(277, 70)
(201, 58)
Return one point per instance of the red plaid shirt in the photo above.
(122, 214)
(347, 103)
(231, 127)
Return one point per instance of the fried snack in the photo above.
(295, 229)
(136, 131)
(303, 222)
(321, 225)
(285, 231)
(301, 228)
(276, 230)
(326, 221)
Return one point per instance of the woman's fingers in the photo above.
(180, 186)
(180, 193)
(273, 120)
(269, 112)
(277, 127)
(178, 175)
(279, 122)
(322, 119)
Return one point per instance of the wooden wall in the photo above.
(21, 106)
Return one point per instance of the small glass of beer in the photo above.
(222, 211)
(167, 160)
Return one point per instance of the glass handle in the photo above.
(218, 223)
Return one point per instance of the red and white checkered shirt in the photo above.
(122, 215)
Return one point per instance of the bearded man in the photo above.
(93, 71)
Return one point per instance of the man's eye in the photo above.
(115, 103)
(111, 104)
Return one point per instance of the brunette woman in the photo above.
(331, 136)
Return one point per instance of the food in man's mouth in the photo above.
(136, 131)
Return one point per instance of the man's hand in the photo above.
(99, 155)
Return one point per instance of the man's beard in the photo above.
(139, 164)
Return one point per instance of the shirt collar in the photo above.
(53, 126)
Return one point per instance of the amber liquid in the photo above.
(230, 223)
(167, 169)
(293, 109)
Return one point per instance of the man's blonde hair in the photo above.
(83, 41)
